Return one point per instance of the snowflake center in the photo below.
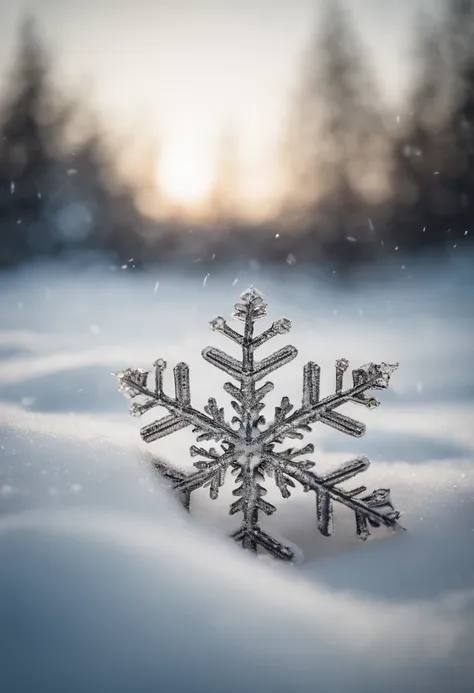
(251, 460)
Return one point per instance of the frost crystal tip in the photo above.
(252, 448)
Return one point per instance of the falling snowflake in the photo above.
(250, 447)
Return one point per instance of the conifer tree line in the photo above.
(360, 181)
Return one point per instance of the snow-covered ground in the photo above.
(107, 586)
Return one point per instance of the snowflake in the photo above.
(250, 447)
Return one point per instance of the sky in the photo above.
(182, 70)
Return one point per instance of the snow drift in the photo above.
(106, 584)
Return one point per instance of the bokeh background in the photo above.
(203, 133)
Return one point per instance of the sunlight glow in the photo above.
(185, 173)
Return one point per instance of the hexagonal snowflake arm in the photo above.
(133, 383)
(371, 376)
(372, 510)
(211, 471)
(251, 503)
(247, 399)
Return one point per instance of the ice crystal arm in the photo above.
(374, 509)
(211, 471)
(133, 383)
(369, 377)
(250, 504)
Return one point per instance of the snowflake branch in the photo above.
(281, 326)
(206, 474)
(181, 413)
(250, 504)
(325, 488)
(220, 325)
(323, 410)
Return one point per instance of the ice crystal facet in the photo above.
(253, 449)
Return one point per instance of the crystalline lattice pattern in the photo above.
(249, 446)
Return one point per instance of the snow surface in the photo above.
(106, 586)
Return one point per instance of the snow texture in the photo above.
(107, 585)
(248, 444)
